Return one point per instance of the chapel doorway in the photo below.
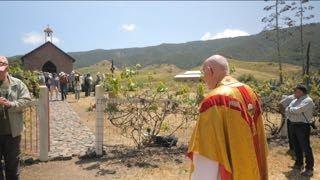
(49, 67)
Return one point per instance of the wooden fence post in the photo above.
(44, 123)
(99, 120)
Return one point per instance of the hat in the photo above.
(302, 88)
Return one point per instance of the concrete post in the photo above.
(44, 123)
(99, 120)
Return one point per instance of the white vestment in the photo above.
(204, 168)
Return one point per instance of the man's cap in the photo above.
(302, 88)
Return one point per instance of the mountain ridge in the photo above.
(191, 54)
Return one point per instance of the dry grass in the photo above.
(260, 70)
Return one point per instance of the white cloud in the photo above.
(206, 36)
(128, 27)
(35, 38)
(227, 33)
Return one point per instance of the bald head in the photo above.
(218, 63)
(215, 68)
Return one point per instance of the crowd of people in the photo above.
(60, 84)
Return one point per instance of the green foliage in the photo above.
(131, 85)
(165, 126)
(128, 72)
(148, 104)
(271, 91)
(183, 90)
(246, 78)
(162, 87)
(30, 78)
(112, 84)
(200, 92)
(232, 69)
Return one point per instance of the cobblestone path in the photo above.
(68, 135)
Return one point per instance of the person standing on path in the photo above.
(88, 82)
(14, 96)
(72, 82)
(284, 103)
(228, 141)
(47, 78)
(78, 83)
(300, 114)
(63, 81)
(54, 86)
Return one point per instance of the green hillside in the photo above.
(187, 55)
(166, 72)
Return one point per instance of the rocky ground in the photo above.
(69, 136)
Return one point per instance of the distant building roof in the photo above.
(192, 72)
(188, 75)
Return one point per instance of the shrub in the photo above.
(245, 78)
(30, 78)
(148, 105)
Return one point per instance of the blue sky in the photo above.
(80, 26)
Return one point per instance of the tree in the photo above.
(272, 22)
(301, 12)
(307, 69)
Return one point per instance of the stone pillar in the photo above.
(44, 123)
(99, 120)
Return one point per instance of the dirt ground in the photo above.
(124, 162)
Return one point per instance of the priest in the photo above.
(228, 142)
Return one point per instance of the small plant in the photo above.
(245, 78)
(165, 127)
(200, 93)
(232, 69)
(162, 87)
(91, 107)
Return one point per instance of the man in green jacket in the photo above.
(14, 97)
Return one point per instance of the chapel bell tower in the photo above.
(48, 34)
